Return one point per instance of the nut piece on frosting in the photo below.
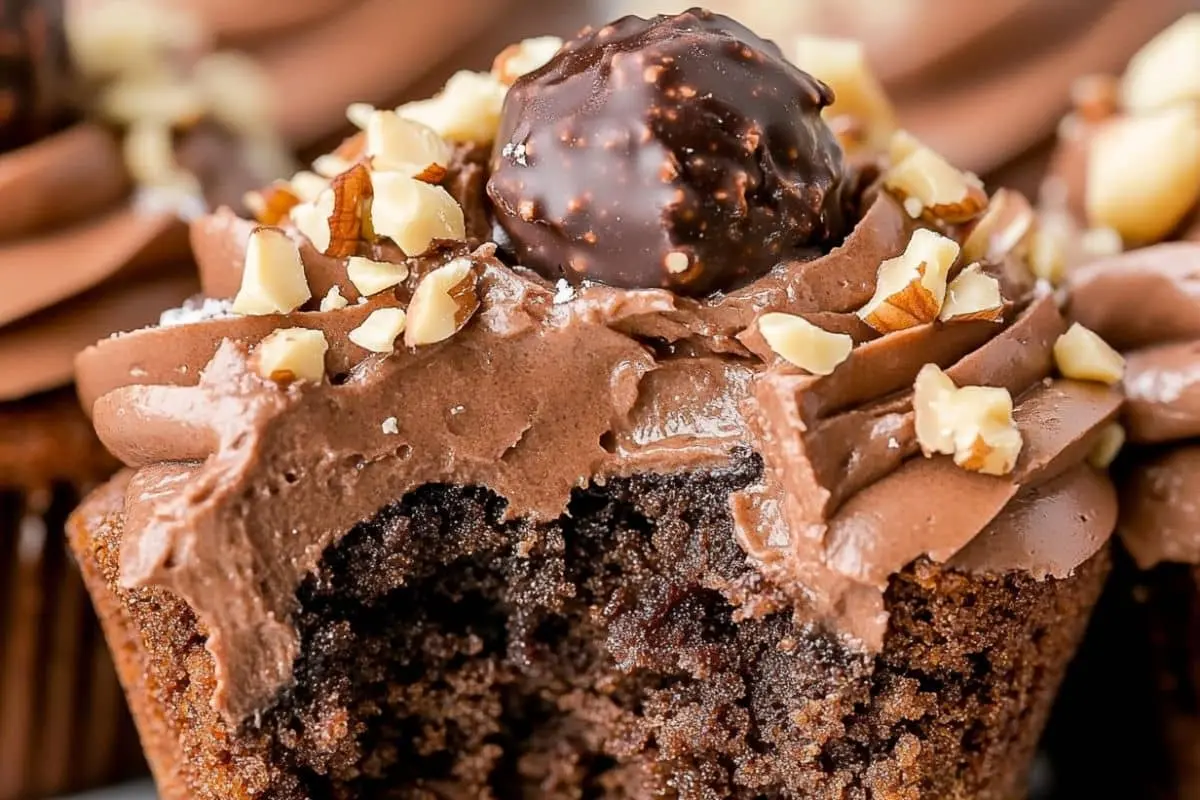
(1081, 354)
(333, 300)
(524, 57)
(466, 110)
(861, 112)
(312, 219)
(413, 213)
(442, 304)
(273, 280)
(1143, 173)
(404, 145)
(1006, 225)
(973, 294)
(974, 424)
(929, 186)
(1108, 446)
(379, 330)
(292, 354)
(911, 287)
(803, 344)
(612, 166)
(1166, 71)
(372, 277)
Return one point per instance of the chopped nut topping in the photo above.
(330, 165)
(390, 426)
(292, 354)
(466, 110)
(1108, 446)
(1048, 251)
(1143, 173)
(412, 213)
(359, 114)
(945, 193)
(351, 192)
(524, 57)
(974, 424)
(842, 64)
(803, 344)
(312, 219)
(442, 304)
(1004, 227)
(1081, 354)
(1166, 71)
(379, 330)
(273, 280)
(404, 145)
(308, 185)
(973, 295)
(272, 205)
(333, 300)
(1101, 242)
(901, 145)
(911, 288)
(372, 277)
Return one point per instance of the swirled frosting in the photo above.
(242, 483)
(1160, 515)
(76, 260)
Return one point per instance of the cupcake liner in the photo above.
(63, 723)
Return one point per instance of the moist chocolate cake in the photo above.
(78, 259)
(717, 469)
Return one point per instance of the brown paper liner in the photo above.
(63, 723)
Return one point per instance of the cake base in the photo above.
(448, 655)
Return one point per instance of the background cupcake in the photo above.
(106, 131)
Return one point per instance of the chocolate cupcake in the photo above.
(77, 261)
(659, 453)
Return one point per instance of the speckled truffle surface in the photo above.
(682, 152)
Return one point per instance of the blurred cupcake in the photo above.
(107, 125)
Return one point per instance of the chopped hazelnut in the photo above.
(1081, 354)
(1108, 446)
(524, 57)
(292, 354)
(1003, 229)
(842, 64)
(379, 330)
(901, 145)
(799, 342)
(359, 114)
(911, 288)
(1166, 71)
(312, 219)
(412, 213)
(390, 426)
(372, 277)
(973, 294)
(273, 280)
(404, 145)
(308, 185)
(466, 110)
(330, 165)
(945, 193)
(1143, 173)
(1048, 251)
(442, 304)
(974, 424)
(333, 300)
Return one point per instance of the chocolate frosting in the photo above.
(242, 483)
(229, 461)
(75, 260)
(682, 152)
(1147, 302)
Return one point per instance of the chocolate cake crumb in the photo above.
(448, 654)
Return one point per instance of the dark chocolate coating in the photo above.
(681, 152)
(35, 70)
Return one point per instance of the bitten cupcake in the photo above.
(78, 260)
(594, 428)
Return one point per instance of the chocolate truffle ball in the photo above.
(681, 152)
(34, 70)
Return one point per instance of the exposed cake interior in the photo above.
(448, 654)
